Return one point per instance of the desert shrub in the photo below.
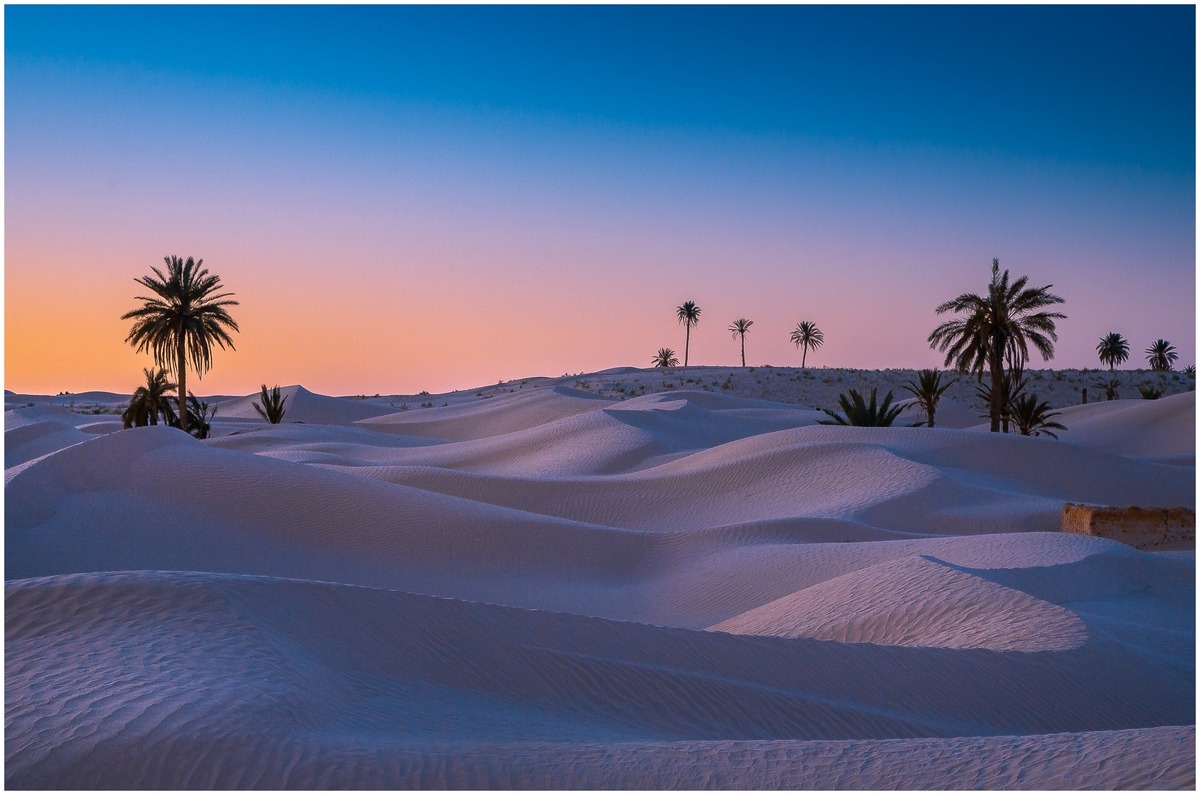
(858, 412)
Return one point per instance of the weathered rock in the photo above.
(1144, 528)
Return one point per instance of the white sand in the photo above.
(549, 586)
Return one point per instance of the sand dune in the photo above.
(1161, 430)
(305, 406)
(549, 588)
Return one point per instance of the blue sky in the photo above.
(850, 165)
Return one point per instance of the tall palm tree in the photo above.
(1113, 349)
(995, 330)
(928, 389)
(182, 320)
(808, 335)
(665, 358)
(739, 329)
(689, 315)
(1161, 355)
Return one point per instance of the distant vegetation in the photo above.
(808, 335)
(1161, 355)
(1113, 349)
(739, 329)
(665, 358)
(689, 315)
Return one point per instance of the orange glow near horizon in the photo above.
(497, 221)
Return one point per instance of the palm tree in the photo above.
(739, 329)
(1111, 388)
(149, 400)
(996, 330)
(808, 335)
(182, 320)
(1189, 371)
(689, 315)
(1012, 385)
(1150, 391)
(1034, 417)
(665, 358)
(928, 389)
(1113, 349)
(198, 416)
(272, 407)
(856, 411)
(1161, 355)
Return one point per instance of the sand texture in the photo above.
(579, 583)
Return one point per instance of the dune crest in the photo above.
(915, 601)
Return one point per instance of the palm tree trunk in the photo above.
(743, 349)
(996, 407)
(687, 341)
(182, 364)
(804, 358)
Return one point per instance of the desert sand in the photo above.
(628, 579)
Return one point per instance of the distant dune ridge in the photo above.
(628, 579)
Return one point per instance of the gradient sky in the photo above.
(408, 198)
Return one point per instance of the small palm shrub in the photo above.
(665, 358)
(1150, 392)
(1012, 384)
(856, 411)
(1110, 389)
(148, 401)
(272, 407)
(199, 417)
(928, 389)
(1034, 417)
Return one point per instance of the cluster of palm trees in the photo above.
(806, 334)
(993, 333)
(150, 400)
(181, 322)
(1114, 349)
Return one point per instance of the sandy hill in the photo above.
(615, 580)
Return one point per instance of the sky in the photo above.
(436, 198)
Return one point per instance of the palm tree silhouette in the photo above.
(689, 315)
(272, 407)
(1113, 349)
(808, 335)
(739, 329)
(1034, 417)
(996, 331)
(665, 358)
(856, 411)
(1161, 355)
(182, 320)
(928, 389)
(149, 400)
